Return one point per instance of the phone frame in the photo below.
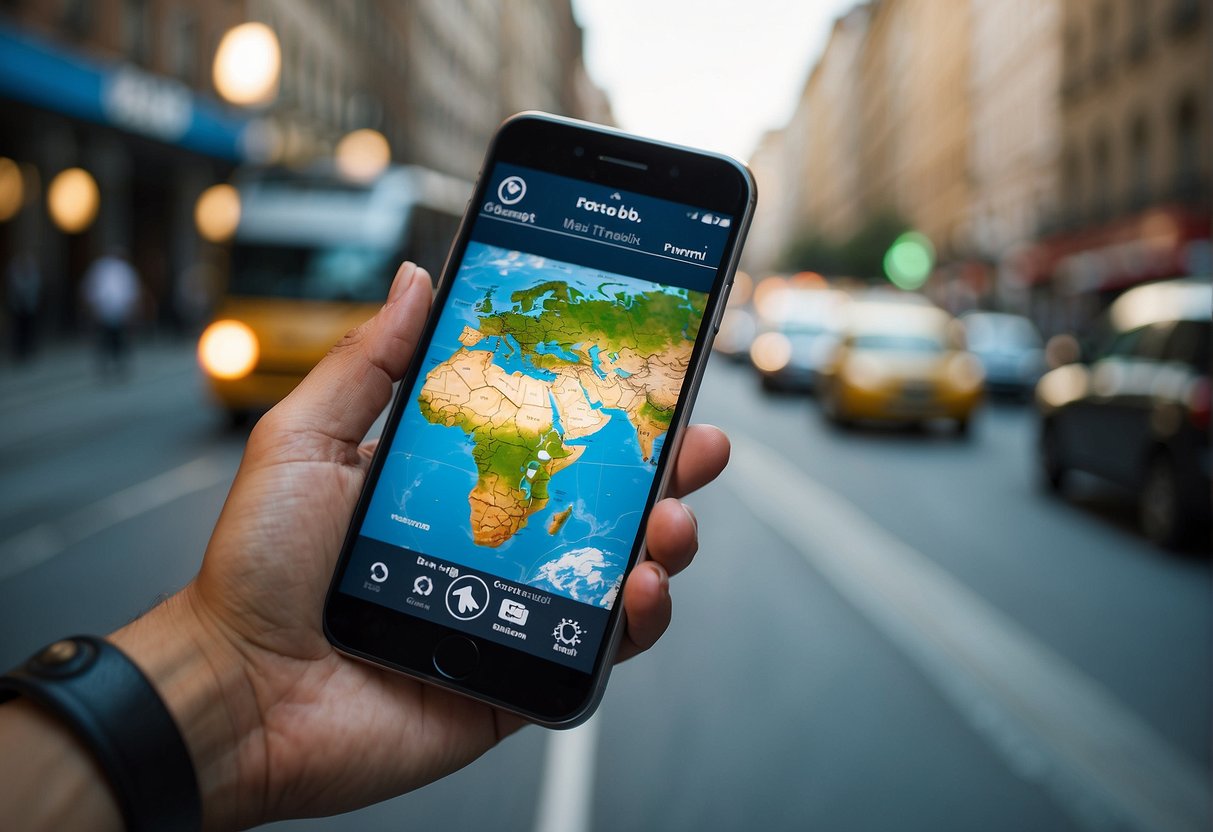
(541, 690)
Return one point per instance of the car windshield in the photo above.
(994, 332)
(898, 342)
(333, 273)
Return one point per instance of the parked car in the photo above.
(796, 336)
(1136, 410)
(1009, 348)
(901, 362)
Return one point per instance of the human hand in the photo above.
(278, 722)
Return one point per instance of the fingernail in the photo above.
(404, 279)
(663, 577)
(691, 515)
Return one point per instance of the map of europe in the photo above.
(530, 441)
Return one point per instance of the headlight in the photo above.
(771, 352)
(965, 372)
(865, 372)
(228, 350)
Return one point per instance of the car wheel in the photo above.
(1161, 508)
(831, 406)
(1053, 470)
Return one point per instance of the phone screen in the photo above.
(510, 500)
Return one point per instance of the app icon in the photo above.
(513, 611)
(512, 189)
(379, 572)
(567, 632)
(467, 597)
(423, 585)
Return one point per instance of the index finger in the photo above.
(703, 455)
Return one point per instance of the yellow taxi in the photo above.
(901, 362)
(313, 257)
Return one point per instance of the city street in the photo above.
(883, 629)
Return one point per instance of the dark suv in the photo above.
(1137, 411)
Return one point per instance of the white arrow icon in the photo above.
(466, 597)
(466, 602)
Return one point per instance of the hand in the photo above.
(300, 729)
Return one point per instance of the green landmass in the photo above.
(658, 415)
(652, 321)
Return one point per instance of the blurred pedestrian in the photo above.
(23, 295)
(111, 291)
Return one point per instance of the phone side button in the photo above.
(456, 657)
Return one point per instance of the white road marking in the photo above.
(566, 793)
(45, 541)
(1048, 720)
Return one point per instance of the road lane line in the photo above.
(566, 793)
(1047, 719)
(45, 541)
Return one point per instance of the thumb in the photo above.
(344, 394)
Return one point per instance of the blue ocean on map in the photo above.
(421, 502)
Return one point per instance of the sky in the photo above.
(715, 74)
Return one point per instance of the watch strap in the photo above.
(113, 708)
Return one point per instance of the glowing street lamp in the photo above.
(72, 199)
(247, 66)
(909, 261)
(217, 213)
(362, 155)
(12, 189)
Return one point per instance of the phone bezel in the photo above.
(541, 690)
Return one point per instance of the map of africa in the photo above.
(530, 441)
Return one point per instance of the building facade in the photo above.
(126, 92)
(1015, 132)
(1135, 93)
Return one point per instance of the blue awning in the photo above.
(37, 72)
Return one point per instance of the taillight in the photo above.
(1200, 402)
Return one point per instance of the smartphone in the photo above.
(537, 425)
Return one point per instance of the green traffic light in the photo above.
(909, 261)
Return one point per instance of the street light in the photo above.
(362, 155)
(217, 213)
(248, 63)
(12, 189)
(72, 200)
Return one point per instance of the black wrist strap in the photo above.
(109, 703)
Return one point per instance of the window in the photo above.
(1139, 161)
(183, 40)
(1189, 344)
(1139, 29)
(134, 30)
(1187, 145)
(1101, 156)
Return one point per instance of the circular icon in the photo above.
(423, 585)
(378, 572)
(512, 189)
(567, 632)
(467, 597)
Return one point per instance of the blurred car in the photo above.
(1137, 411)
(737, 331)
(901, 362)
(313, 257)
(797, 335)
(1009, 348)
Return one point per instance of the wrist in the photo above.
(201, 677)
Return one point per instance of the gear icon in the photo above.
(567, 632)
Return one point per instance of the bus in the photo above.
(313, 257)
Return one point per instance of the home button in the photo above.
(456, 657)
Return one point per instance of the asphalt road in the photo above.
(883, 629)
